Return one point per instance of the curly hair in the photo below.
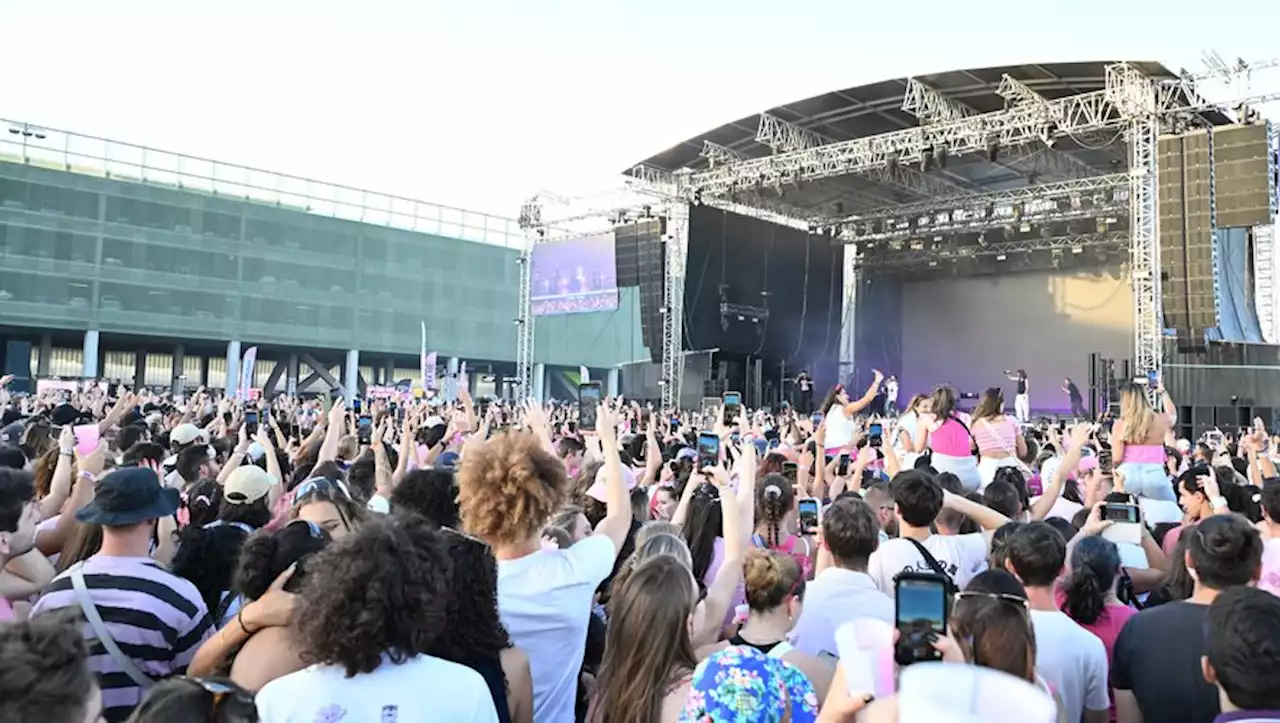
(509, 487)
(432, 493)
(207, 557)
(381, 590)
(474, 630)
(44, 673)
(266, 555)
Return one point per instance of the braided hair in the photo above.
(774, 499)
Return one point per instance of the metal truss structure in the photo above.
(974, 212)
(927, 255)
(1021, 138)
(530, 220)
(1264, 277)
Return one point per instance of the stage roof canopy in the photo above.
(876, 108)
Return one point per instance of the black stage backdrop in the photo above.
(796, 275)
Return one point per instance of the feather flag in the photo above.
(464, 384)
(422, 357)
(429, 371)
(246, 373)
(584, 375)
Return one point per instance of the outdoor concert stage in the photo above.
(981, 220)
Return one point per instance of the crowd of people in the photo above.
(319, 561)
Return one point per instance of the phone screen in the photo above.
(920, 614)
(588, 405)
(251, 422)
(789, 470)
(732, 407)
(356, 405)
(708, 450)
(807, 510)
(816, 417)
(364, 429)
(1117, 512)
(843, 469)
(875, 434)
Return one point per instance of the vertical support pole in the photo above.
(677, 249)
(524, 317)
(176, 381)
(233, 368)
(46, 356)
(1134, 95)
(849, 317)
(89, 360)
(612, 386)
(291, 378)
(351, 376)
(539, 382)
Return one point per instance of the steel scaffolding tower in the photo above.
(677, 241)
(531, 223)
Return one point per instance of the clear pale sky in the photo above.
(480, 103)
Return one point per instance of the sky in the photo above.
(480, 104)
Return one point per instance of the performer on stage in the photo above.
(1021, 402)
(804, 393)
(891, 396)
(1076, 399)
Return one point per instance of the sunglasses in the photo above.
(312, 528)
(220, 691)
(1015, 600)
(316, 484)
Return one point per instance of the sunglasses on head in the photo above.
(1015, 600)
(312, 528)
(316, 484)
(220, 691)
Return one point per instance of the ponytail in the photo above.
(774, 501)
(1094, 566)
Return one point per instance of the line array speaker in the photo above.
(652, 276)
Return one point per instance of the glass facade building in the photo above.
(154, 248)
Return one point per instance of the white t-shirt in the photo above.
(1073, 661)
(421, 688)
(839, 427)
(837, 596)
(908, 423)
(891, 390)
(963, 556)
(544, 600)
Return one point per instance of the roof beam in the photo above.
(784, 137)
(1045, 203)
(718, 154)
(930, 106)
(1016, 93)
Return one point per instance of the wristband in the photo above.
(67, 452)
(240, 622)
(1218, 502)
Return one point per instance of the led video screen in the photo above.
(575, 276)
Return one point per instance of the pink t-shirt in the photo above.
(952, 439)
(1270, 580)
(1107, 628)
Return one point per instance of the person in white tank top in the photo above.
(839, 412)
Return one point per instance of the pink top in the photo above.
(1107, 628)
(6, 610)
(951, 439)
(1270, 579)
(1144, 453)
(1171, 540)
(996, 435)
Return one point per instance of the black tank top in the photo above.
(1022, 385)
(491, 670)
(763, 648)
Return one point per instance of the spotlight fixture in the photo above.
(993, 151)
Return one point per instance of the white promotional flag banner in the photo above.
(585, 374)
(463, 383)
(422, 356)
(246, 373)
(429, 371)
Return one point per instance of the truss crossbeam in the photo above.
(922, 254)
(717, 154)
(785, 137)
(1017, 93)
(930, 106)
(1074, 114)
(907, 179)
(1103, 193)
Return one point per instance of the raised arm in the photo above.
(857, 406)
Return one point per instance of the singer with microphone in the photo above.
(1021, 402)
(804, 393)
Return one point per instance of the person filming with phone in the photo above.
(839, 412)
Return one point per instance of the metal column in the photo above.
(89, 360)
(351, 375)
(233, 368)
(849, 316)
(1135, 96)
(46, 354)
(539, 382)
(291, 376)
(673, 304)
(531, 219)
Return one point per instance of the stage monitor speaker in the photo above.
(652, 277)
(1244, 167)
(17, 362)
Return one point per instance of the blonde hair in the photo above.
(1136, 415)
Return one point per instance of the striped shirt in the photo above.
(996, 435)
(156, 618)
